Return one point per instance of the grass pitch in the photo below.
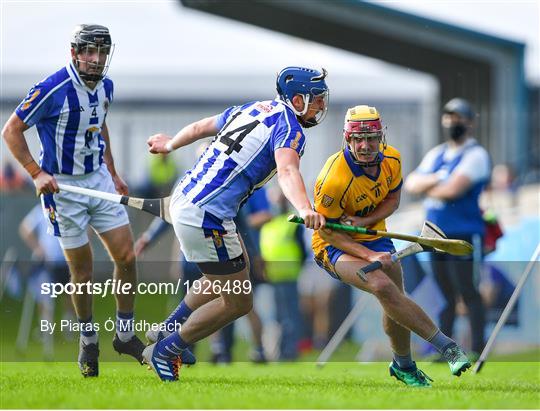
(243, 385)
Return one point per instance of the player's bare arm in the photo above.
(382, 211)
(163, 143)
(292, 184)
(13, 133)
(418, 183)
(119, 184)
(344, 242)
(455, 187)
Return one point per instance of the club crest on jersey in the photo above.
(28, 101)
(52, 215)
(218, 240)
(327, 201)
(296, 141)
(89, 136)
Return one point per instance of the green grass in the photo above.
(243, 385)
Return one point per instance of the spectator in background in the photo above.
(49, 266)
(162, 173)
(316, 290)
(10, 178)
(451, 177)
(283, 250)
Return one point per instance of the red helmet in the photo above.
(364, 122)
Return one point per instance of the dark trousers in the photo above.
(288, 317)
(456, 276)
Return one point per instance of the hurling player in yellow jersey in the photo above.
(361, 185)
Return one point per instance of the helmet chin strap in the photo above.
(310, 122)
(305, 98)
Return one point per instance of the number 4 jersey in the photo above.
(342, 187)
(241, 157)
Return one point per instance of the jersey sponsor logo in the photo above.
(28, 101)
(295, 142)
(327, 201)
(365, 211)
(361, 197)
(265, 108)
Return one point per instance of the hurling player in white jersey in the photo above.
(69, 109)
(252, 142)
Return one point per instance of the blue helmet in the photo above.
(307, 83)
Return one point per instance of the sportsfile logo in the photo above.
(109, 287)
(119, 287)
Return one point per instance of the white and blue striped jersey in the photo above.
(68, 116)
(241, 157)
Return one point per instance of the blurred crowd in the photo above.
(308, 305)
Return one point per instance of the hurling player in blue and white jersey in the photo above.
(252, 142)
(69, 109)
(452, 176)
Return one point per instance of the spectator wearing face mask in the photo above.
(452, 176)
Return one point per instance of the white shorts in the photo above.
(68, 215)
(203, 237)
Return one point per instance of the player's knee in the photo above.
(240, 304)
(80, 275)
(126, 255)
(383, 287)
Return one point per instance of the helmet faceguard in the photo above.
(309, 84)
(363, 122)
(96, 40)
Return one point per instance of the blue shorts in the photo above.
(327, 259)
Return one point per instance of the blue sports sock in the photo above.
(178, 316)
(124, 326)
(88, 332)
(171, 346)
(404, 361)
(440, 341)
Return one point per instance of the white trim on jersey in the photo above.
(257, 143)
(38, 105)
(59, 132)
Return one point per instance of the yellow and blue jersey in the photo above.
(343, 187)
